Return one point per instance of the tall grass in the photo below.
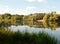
(18, 37)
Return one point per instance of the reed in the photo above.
(8, 37)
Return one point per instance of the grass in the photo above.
(8, 37)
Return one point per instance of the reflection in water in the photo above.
(55, 33)
(39, 24)
(51, 28)
(52, 25)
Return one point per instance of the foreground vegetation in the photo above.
(9, 37)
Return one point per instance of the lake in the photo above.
(55, 33)
(52, 28)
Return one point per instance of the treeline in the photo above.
(11, 19)
(30, 19)
(52, 20)
(52, 17)
(20, 19)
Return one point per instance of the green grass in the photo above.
(8, 37)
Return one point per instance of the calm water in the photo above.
(55, 33)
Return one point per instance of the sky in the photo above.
(29, 6)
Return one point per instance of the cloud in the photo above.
(31, 8)
(7, 9)
(41, 0)
(31, 0)
(35, 0)
(12, 10)
(3, 8)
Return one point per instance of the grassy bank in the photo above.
(8, 37)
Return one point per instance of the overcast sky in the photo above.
(29, 6)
